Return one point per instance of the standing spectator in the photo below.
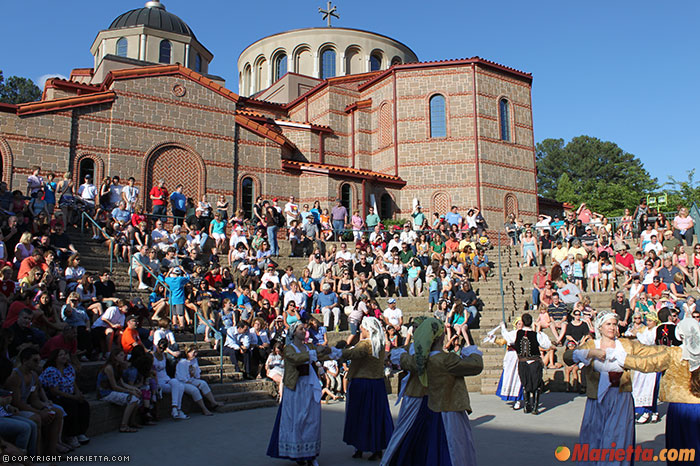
(35, 181)
(270, 223)
(178, 204)
(291, 211)
(357, 225)
(339, 218)
(50, 192)
(88, 193)
(683, 226)
(372, 219)
(176, 283)
(159, 200)
(418, 217)
(130, 194)
(453, 217)
(115, 191)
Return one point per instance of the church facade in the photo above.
(384, 130)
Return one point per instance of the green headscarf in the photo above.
(423, 339)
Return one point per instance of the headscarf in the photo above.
(688, 331)
(515, 323)
(376, 334)
(603, 317)
(652, 316)
(292, 329)
(423, 339)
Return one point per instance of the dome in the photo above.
(153, 15)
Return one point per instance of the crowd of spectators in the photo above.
(643, 259)
(203, 260)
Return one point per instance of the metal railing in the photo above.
(85, 215)
(217, 335)
(156, 276)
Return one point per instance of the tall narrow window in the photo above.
(346, 196)
(247, 73)
(385, 125)
(165, 48)
(198, 63)
(438, 127)
(328, 64)
(122, 47)
(247, 196)
(504, 117)
(280, 66)
(375, 62)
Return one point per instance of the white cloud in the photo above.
(42, 79)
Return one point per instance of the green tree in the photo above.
(17, 90)
(683, 193)
(598, 173)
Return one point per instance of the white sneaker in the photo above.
(83, 439)
(182, 415)
(655, 417)
(143, 286)
(516, 405)
(643, 419)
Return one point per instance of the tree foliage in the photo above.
(683, 192)
(17, 90)
(589, 170)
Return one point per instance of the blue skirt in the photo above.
(507, 397)
(683, 430)
(425, 442)
(368, 422)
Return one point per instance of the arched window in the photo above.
(165, 48)
(122, 47)
(247, 73)
(510, 205)
(328, 64)
(86, 167)
(386, 207)
(198, 63)
(346, 196)
(247, 196)
(385, 137)
(280, 66)
(396, 61)
(260, 75)
(438, 126)
(504, 118)
(375, 62)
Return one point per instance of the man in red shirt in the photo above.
(130, 336)
(538, 282)
(159, 198)
(27, 264)
(624, 262)
(66, 340)
(656, 288)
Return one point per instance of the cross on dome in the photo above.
(328, 13)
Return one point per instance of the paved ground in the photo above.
(502, 436)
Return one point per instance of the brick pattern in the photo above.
(177, 165)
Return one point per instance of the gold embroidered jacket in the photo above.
(364, 365)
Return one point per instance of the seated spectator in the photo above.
(30, 399)
(456, 325)
(66, 340)
(480, 265)
(170, 385)
(112, 388)
(656, 288)
(558, 312)
(20, 429)
(105, 289)
(130, 338)
(569, 293)
(88, 295)
(59, 381)
(108, 327)
(73, 273)
(683, 226)
(274, 367)
(188, 372)
(22, 332)
(327, 303)
(35, 260)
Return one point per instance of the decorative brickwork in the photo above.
(6, 157)
(176, 164)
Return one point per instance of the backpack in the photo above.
(279, 219)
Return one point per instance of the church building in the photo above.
(321, 114)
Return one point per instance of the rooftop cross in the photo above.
(330, 11)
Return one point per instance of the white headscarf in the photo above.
(603, 316)
(376, 334)
(688, 331)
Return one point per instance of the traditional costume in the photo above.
(527, 346)
(297, 431)
(645, 386)
(441, 435)
(368, 422)
(609, 413)
(509, 386)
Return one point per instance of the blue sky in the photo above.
(622, 71)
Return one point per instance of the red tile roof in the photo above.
(72, 86)
(339, 170)
(264, 131)
(66, 103)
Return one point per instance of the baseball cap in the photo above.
(391, 301)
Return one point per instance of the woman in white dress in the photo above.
(645, 386)
(296, 434)
(509, 386)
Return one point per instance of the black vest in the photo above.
(526, 344)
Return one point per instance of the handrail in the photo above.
(104, 233)
(157, 278)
